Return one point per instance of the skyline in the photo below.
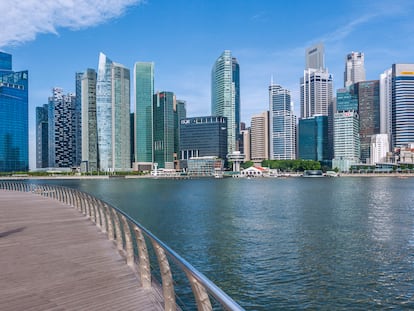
(184, 39)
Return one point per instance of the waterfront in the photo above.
(280, 244)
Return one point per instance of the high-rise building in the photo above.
(315, 57)
(282, 124)
(78, 119)
(369, 114)
(346, 140)
(164, 108)
(354, 68)
(42, 132)
(14, 120)
(259, 137)
(346, 100)
(143, 125)
(246, 150)
(379, 148)
(113, 115)
(225, 95)
(402, 105)
(313, 139)
(385, 101)
(62, 129)
(203, 136)
(89, 149)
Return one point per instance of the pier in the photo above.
(61, 249)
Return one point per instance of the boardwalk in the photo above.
(54, 258)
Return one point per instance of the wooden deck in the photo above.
(54, 258)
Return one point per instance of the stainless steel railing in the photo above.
(128, 235)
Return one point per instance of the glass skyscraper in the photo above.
(14, 140)
(42, 135)
(354, 68)
(113, 115)
(313, 139)
(143, 121)
(282, 124)
(225, 95)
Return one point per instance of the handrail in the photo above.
(125, 231)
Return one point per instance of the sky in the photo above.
(55, 39)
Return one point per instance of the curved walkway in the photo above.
(54, 258)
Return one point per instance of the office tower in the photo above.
(143, 125)
(369, 114)
(354, 68)
(282, 124)
(42, 132)
(346, 140)
(385, 101)
(78, 119)
(379, 148)
(112, 114)
(315, 57)
(62, 129)
(313, 138)
(259, 137)
(14, 140)
(225, 95)
(402, 105)
(246, 144)
(180, 113)
(89, 148)
(164, 129)
(203, 136)
(346, 100)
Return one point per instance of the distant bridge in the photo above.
(53, 258)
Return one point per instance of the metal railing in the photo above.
(131, 240)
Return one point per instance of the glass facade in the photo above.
(225, 95)
(144, 92)
(346, 100)
(313, 138)
(14, 140)
(113, 115)
(203, 136)
(42, 141)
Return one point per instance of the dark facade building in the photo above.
(313, 139)
(203, 136)
(14, 120)
(42, 141)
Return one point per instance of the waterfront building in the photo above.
(14, 120)
(89, 149)
(379, 148)
(62, 129)
(259, 137)
(165, 106)
(112, 114)
(282, 124)
(313, 138)
(203, 136)
(246, 144)
(369, 114)
(354, 68)
(143, 120)
(402, 105)
(42, 132)
(225, 95)
(346, 140)
(205, 166)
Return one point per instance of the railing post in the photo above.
(108, 212)
(144, 262)
(119, 242)
(200, 294)
(129, 247)
(166, 276)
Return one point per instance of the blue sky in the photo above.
(54, 39)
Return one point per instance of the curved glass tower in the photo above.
(225, 95)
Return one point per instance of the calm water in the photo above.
(284, 244)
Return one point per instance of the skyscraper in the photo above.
(113, 115)
(354, 68)
(143, 125)
(78, 119)
(313, 138)
(385, 102)
(42, 132)
(62, 129)
(259, 137)
(282, 124)
(14, 121)
(89, 122)
(315, 57)
(402, 105)
(225, 95)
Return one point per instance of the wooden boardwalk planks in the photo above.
(54, 258)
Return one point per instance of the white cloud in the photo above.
(23, 20)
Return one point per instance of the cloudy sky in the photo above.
(54, 39)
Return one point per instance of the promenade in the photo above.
(54, 258)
